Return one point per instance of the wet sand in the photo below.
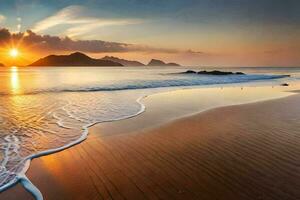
(247, 151)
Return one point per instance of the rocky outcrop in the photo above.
(214, 72)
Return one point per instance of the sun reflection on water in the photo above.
(14, 80)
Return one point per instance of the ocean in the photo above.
(47, 109)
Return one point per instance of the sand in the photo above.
(247, 151)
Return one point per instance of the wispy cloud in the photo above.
(93, 24)
(77, 17)
(195, 52)
(19, 25)
(2, 18)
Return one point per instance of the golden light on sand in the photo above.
(14, 52)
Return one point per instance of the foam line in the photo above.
(31, 188)
(28, 184)
(183, 81)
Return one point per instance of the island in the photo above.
(80, 59)
(2, 65)
(74, 59)
(155, 62)
(124, 62)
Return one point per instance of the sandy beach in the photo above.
(249, 151)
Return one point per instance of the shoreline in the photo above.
(153, 104)
(92, 127)
(27, 184)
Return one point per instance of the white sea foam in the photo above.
(12, 145)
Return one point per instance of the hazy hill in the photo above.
(74, 59)
(123, 61)
(155, 62)
(80, 59)
(2, 65)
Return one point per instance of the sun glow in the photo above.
(14, 53)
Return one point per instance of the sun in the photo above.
(14, 53)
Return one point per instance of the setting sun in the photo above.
(14, 53)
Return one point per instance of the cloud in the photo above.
(194, 52)
(19, 25)
(5, 36)
(2, 18)
(67, 15)
(54, 43)
(77, 17)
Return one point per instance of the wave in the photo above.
(175, 83)
(183, 81)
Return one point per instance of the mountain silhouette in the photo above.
(74, 59)
(123, 61)
(155, 62)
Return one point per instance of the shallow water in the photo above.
(48, 108)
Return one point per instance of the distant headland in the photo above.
(155, 62)
(123, 61)
(80, 59)
(74, 59)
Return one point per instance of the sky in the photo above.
(190, 32)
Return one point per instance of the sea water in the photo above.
(44, 110)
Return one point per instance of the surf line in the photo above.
(28, 185)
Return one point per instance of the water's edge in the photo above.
(31, 188)
(28, 185)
